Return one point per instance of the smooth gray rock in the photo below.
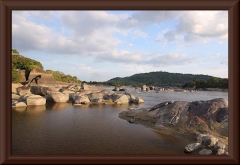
(209, 140)
(192, 147)
(58, 97)
(205, 152)
(36, 100)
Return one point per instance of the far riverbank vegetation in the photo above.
(159, 78)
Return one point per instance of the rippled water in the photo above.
(94, 129)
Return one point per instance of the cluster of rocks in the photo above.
(39, 95)
(200, 116)
(146, 88)
(206, 145)
(119, 89)
(104, 97)
(160, 89)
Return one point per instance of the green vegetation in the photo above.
(20, 62)
(157, 79)
(210, 83)
(60, 76)
(16, 77)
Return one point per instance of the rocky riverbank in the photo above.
(185, 119)
(74, 93)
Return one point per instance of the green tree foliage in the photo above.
(21, 62)
(157, 79)
(16, 77)
(14, 51)
(210, 83)
(60, 76)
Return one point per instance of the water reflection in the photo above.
(61, 128)
(20, 109)
(58, 106)
(31, 109)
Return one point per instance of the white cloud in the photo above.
(225, 62)
(96, 34)
(202, 25)
(84, 68)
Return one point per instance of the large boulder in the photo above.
(81, 100)
(23, 90)
(23, 98)
(208, 111)
(40, 90)
(19, 104)
(121, 99)
(84, 86)
(15, 97)
(58, 97)
(205, 152)
(209, 141)
(192, 147)
(132, 97)
(95, 96)
(223, 114)
(171, 113)
(46, 78)
(107, 92)
(137, 100)
(144, 88)
(68, 91)
(36, 100)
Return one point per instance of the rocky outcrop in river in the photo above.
(39, 95)
(184, 118)
(191, 113)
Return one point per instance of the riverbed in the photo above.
(61, 128)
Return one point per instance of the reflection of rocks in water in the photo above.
(36, 108)
(57, 106)
(19, 108)
(81, 106)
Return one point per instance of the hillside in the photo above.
(157, 79)
(24, 68)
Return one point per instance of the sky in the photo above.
(100, 45)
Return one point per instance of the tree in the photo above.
(15, 52)
(16, 77)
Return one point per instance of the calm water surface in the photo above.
(95, 129)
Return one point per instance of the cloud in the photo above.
(224, 62)
(202, 25)
(87, 68)
(96, 34)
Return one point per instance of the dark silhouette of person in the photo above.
(36, 79)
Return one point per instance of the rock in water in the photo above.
(207, 110)
(192, 147)
(205, 152)
(23, 90)
(58, 97)
(81, 100)
(36, 100)
(40, 90)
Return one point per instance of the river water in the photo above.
(60, 128)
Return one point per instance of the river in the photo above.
(60, 128)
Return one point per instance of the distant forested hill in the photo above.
(157, 79)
